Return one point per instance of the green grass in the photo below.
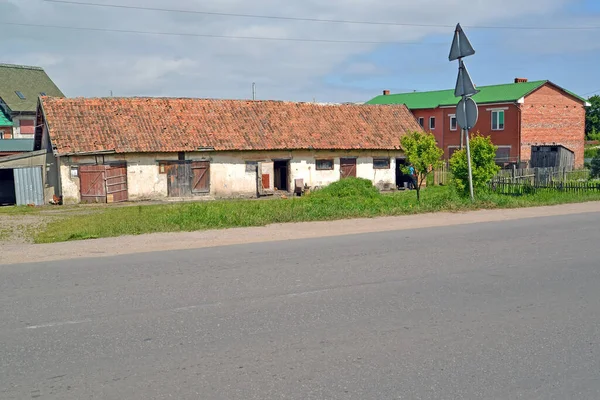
(352, 198)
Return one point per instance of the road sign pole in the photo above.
(469, 165)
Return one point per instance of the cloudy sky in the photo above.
(399, 57)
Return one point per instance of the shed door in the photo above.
(179, 179)
(200, 176)
(116, 183)
(92, 183)
(347, 167)
(28, 186)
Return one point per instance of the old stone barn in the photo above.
(118, 149)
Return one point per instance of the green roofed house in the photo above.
(516, 115)
(20, 88)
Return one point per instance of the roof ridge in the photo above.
(477, 87)
(32, 67)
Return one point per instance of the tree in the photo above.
(595, 167)
(592, 119)
(483, 155)
(423, 154)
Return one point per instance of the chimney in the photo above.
(386, 92)
(520, 80)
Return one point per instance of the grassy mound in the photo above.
(349, 187)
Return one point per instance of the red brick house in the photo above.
(516, 116)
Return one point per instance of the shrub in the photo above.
(483, 155)
(348, 187)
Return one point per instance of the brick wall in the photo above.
(551, 116)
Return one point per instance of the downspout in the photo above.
(520, 117)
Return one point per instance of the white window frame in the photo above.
(431, 119)
(453, 116)
(497, 112)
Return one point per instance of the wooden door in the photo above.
(200, 176)
(116, 183)
(92, 185)
(347, 167)
(179, 179)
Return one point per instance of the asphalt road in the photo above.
(485, 311)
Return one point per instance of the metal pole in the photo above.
(253, 91)
(469, 165)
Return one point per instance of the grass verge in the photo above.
(352, 198)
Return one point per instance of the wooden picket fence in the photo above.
(519, 188)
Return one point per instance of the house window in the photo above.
(381, 163)
(74, 171)
(503, 153)
(422, 122)
(324, 165)
(431, 122)
(498, 120)
(453, 124)
(21, 95)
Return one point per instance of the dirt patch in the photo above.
(11, 253)
(19, 229)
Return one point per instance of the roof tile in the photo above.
(82, 125)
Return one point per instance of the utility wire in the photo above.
(218, 36)
(595, 91)
(336, 21)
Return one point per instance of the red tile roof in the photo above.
(126, 125)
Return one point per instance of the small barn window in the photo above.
(162, 167)
(74, 171)
(181, 156)
(251, 166)
(324, 165)
(381, 163)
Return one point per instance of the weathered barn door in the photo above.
(103, 183)
(116, 183)
(200, 176)
(347, 167)
(92, 183)
(179, 179)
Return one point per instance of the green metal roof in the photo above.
(30, 81)
(4, 119)
(488, 94)
(10, 145)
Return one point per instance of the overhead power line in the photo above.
(595, 91)
(336, 21)
(211, 36)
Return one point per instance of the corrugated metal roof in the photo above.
(488, 94)
(4, 119)
(9, 145)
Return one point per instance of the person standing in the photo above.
(411, 177)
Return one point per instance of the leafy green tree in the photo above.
(483, 155)
(592, 119)
(423, 154)
(595, 167)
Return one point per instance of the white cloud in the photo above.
(92, 63)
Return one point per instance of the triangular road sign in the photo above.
(461, 47)
(464, 83)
